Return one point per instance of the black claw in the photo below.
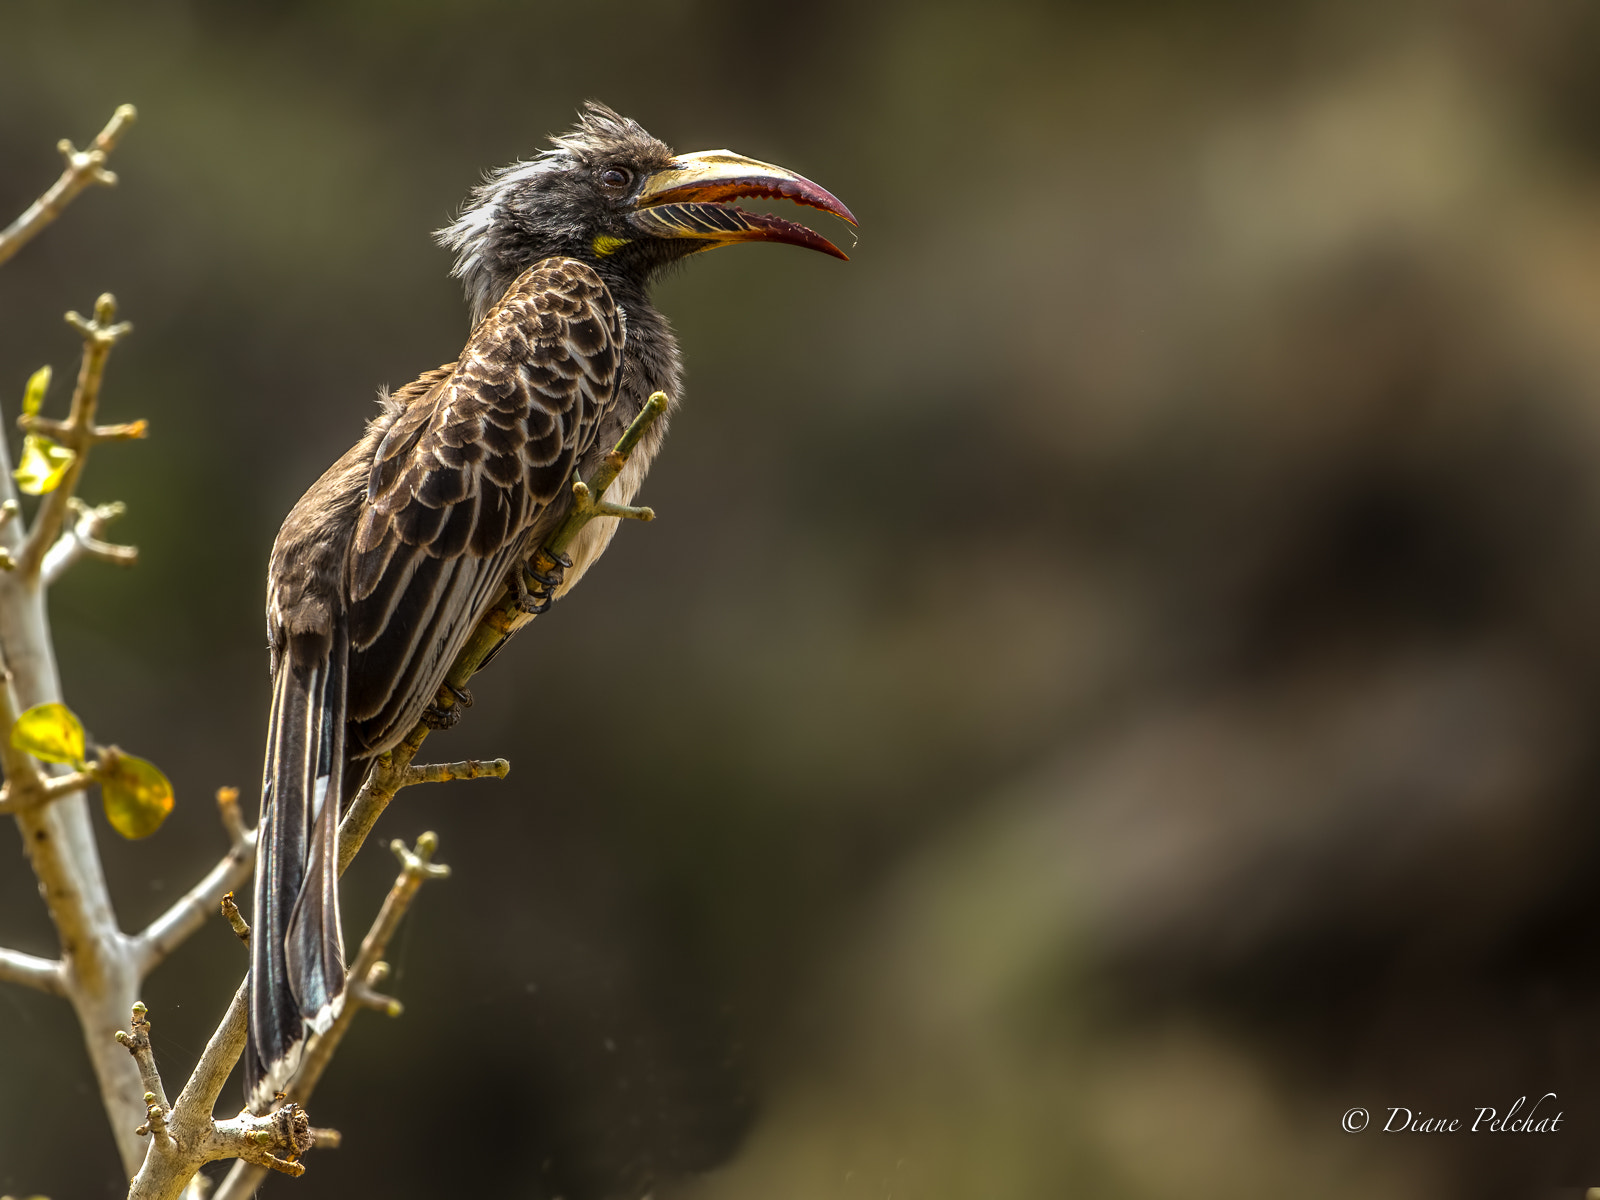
(529, 601)
(534, 605)
(549, 580)
(462, 695)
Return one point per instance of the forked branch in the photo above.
(361, 981)
(182, 1139)
(84, 538)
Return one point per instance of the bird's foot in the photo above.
(530, 602)
(435, 717)
(541, 596)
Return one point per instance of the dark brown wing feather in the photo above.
(458, 481)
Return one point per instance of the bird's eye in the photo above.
(615, 177)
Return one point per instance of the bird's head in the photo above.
(612, 196)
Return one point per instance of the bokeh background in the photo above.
(1115, 679)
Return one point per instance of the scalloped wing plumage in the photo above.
(459, 479)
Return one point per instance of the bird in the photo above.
(383, 568)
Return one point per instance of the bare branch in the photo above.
(58, 839)
(184, 1137)
(387, 777)
(235, 919)
(84, 167)
(228, 810)
(199, 1095)
(326, 1139)
(472, 768)
(49, 787)
(257, 1139)
(368, 970)
(132, 431)
(169, 931)
(32, 971)
(137, 1044)
(83, 539)
(99, 336)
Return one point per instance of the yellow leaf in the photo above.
(137, 795)
(51, 732)
(43, 464)
(38, 385)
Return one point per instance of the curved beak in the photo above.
(687, 200)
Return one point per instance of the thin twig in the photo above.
(169, 931)
(83, 538)
(99, 335)
(132, 431)
(472, 768)
(84, 167)
(235, 919)
(368, 969)
(32, 971)
(50, 787)
(137, 1043)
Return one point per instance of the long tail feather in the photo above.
(296, 947)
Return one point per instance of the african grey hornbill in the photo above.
(387, 563)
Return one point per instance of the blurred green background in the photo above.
(1114, 681)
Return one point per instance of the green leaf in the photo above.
(33, 397)
(51, 732)
(137, 795)
(43, 464)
